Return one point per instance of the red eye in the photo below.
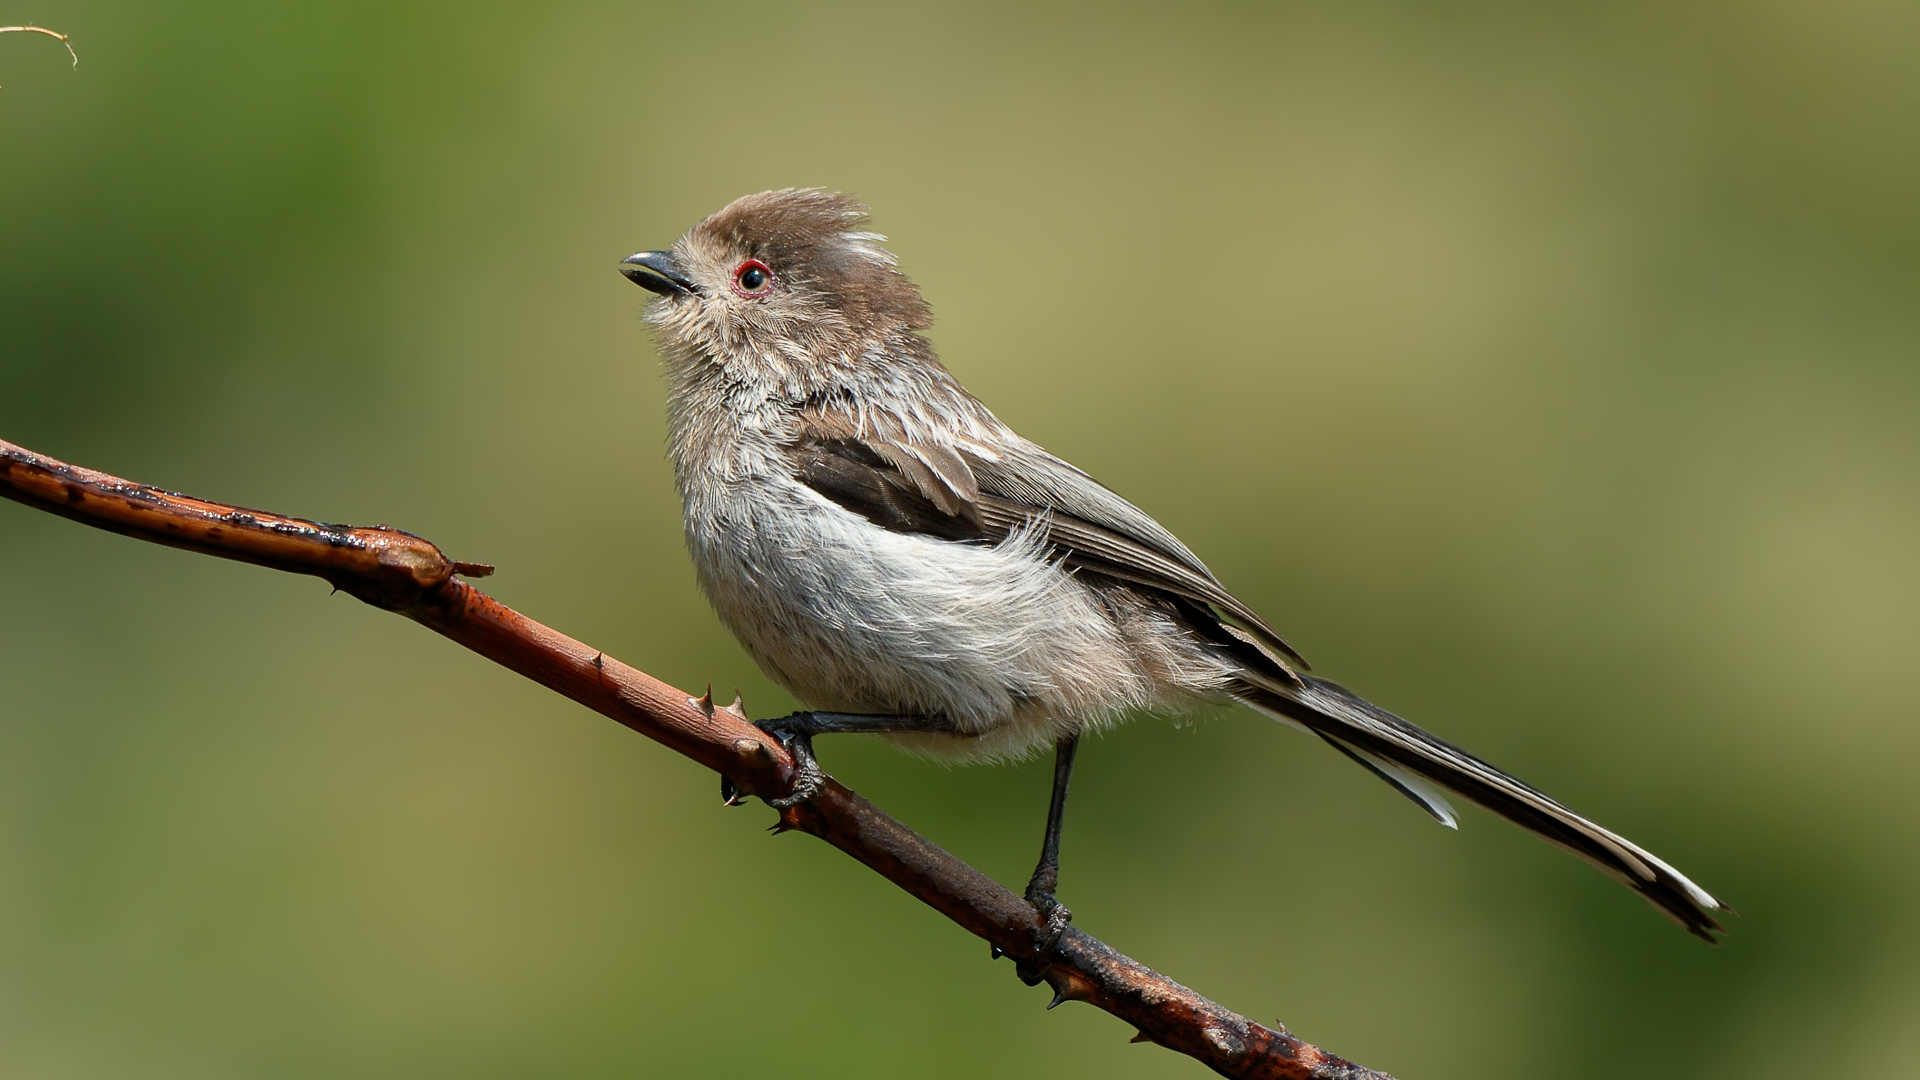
(752, 279)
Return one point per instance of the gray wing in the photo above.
(975, 492)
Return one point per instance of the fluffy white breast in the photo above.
(853, 618)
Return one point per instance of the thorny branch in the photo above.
(55, 34)
(406, 574)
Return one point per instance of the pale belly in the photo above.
(853, 618)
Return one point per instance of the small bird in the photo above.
(907, 565)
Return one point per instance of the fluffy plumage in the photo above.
(881, 543)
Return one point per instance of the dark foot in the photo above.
(1054, 915)
(795, 735)
(1054, 918)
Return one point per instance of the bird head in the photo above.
(781, 281)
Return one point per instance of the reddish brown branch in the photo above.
(403, 573)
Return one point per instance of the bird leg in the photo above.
(1046, 876)
(796, 733)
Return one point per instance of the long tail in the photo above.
(1414, 761)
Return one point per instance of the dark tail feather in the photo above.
(1391, 748)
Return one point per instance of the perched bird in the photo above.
(908, 565)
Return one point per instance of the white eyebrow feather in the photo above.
(868, 244)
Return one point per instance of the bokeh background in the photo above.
(1549, 374)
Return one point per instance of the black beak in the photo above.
(656, 272)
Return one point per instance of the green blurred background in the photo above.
(1558, 367)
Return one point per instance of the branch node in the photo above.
(754, 753)
(1224, 1041)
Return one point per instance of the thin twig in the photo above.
(55, 34)
(401, 572)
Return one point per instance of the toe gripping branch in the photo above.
(795, 736)
(795, 733)
(806, 774)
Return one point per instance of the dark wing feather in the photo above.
(980, 494)
(858, 476)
